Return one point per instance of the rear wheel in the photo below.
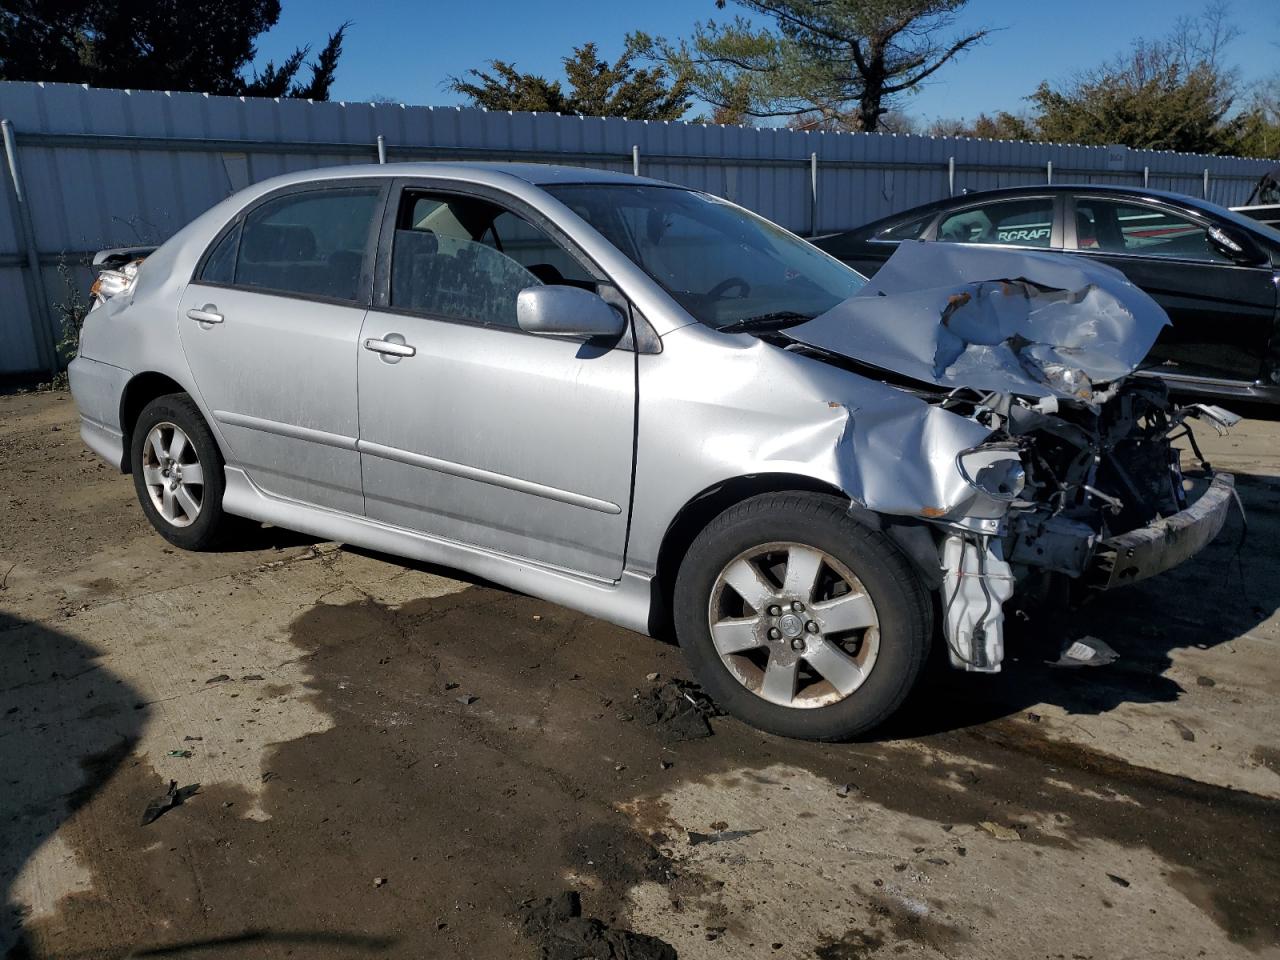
(799, 620)
(177, 472)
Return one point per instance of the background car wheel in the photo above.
(799, 620)
(177, 472)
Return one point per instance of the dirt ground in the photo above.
(393, 760)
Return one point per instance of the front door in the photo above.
(472, 430)
(1222, 313)
(270, 328)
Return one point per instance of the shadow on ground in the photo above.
(68, 724)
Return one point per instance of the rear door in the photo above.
(269, 326)
(471, 429)
(1223, 313)
(1034, 222)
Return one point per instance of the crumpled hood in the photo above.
(1014, 321)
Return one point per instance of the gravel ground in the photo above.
(397, 761)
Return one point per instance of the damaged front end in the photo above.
(1103, 502)
(1077, 477)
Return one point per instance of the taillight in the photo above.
(110, 283)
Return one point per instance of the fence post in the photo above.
(1205, 193)
(382, 149)
(1146, 177)
(951, 176)
(1048, 171)
(41, 319)
(635, 159)
(813, 194)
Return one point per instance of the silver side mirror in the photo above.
(559, 311)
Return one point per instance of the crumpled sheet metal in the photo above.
(1013, 321)
(902, 461)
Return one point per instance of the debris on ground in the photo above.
(1118, 880)
(563, 933)
(720, 836)
(1185, 732)
(175, 796)
(181, 754)
(678, 709)
(845, 789)
(379, 881)
(1085, 652)
(1206, 681)
(1000, 832)
(220, 678)
(467, 699)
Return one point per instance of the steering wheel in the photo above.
(724, 286)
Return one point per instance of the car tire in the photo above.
(855, 564)
(181, 495)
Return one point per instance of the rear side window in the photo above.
(1010, 223)
(312, 244)
(220, 267)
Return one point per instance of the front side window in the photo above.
(721, 263)
(1111, 227)
(465, 258)
(312, 244)
(1009, 223)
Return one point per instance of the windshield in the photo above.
(722, 264)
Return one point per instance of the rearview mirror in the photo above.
(1234, 245)
(560, 311)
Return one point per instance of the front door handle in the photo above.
(389, 347)
(206, 314)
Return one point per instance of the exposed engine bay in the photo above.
(1080, 477)
(1089, 474)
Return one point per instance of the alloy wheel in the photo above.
(794, 625)
(173, 474)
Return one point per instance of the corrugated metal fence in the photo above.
(88, 169)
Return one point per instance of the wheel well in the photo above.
(700, 511)
(138, 392)
(915, 539)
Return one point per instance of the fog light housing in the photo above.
(995, 469)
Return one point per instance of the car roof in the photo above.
(483, 171)
(1048, 189)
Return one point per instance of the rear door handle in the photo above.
(206, 314)
(390, 348)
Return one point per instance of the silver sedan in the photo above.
(654, 406)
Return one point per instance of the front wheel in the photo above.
(177, 473)
(800, 620)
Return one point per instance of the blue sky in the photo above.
(405, 50)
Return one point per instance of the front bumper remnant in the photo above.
(1165, 543)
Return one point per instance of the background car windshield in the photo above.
(719, 262)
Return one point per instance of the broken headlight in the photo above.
(995, 469)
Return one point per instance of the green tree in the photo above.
(1000, 125)
(596, 88)
(1172, 93)
(205, 46)
(1260, 134)
(839, 64)
(1150, 99)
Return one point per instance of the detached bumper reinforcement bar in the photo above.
(1163, 544)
